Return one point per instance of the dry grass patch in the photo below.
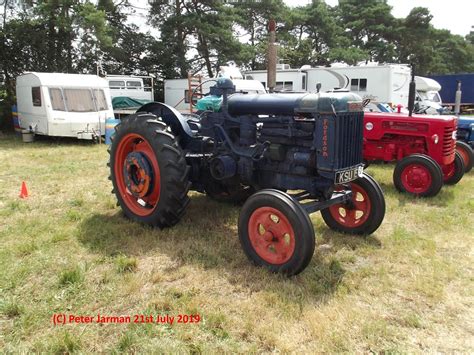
(68, 249)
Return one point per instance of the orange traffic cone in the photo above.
(23, 191)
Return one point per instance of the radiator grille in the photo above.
(449, 144)
(349, 139)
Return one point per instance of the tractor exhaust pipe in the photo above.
(411, 93)
(271, 57)
(457, 100)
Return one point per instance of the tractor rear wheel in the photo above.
(275, 232)
(363, 214)
(419, 175)
(454, 172)
(467, 155)
(148, 170)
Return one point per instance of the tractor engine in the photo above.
(284, 141)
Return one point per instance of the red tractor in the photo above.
(423, 146)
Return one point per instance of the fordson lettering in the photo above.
(325, 137)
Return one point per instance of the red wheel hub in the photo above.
(416, 178)
(271, 235)
(355, 212)
(137, 174)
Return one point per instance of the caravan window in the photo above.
(354, 84)
(79, 100)
(57, 99)
(358, 84)
(100, 99)
(284, 86)
(36, 96)
(116, 84)
(134, 84)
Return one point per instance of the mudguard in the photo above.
(172, 117)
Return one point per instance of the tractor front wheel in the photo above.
(454, 172)
(419, 175)
(467, 155)
(275, 232)
(363, 214)
(148, 170)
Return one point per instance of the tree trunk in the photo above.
(181, 50)
(205, 54)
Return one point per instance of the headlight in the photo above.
(454, 135)
(435, 138)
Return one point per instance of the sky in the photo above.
(454, 15)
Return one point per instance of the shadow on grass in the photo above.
(207, 237)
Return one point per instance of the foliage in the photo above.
(199, 36)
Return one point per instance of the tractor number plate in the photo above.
(348, 175)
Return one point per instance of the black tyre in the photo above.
(419, 175)
(467, 155)
(149, 171)
(363, 214)
(275, 232)
(454, 172)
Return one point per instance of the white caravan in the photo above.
(63, 105)
(131, 86)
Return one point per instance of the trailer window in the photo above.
(36, 96)
(100, 99)
(57, 99)
(358, 84)
(284, 86)
(116, 84)
(354, 84)
(134, 85)
(79, 100)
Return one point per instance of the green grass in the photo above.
(68, 249)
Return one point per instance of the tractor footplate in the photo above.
(337, 197)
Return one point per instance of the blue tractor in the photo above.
(252, 149)
(465, 143)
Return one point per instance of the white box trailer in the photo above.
(177, 90)
(386, 83)
(287, 79)
(63, 105)
(131, 86)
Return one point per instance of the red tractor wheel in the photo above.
(467, 155)
(148, 171)
(363, 214)
(419, 175)
(454, 172)
(275, 232)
